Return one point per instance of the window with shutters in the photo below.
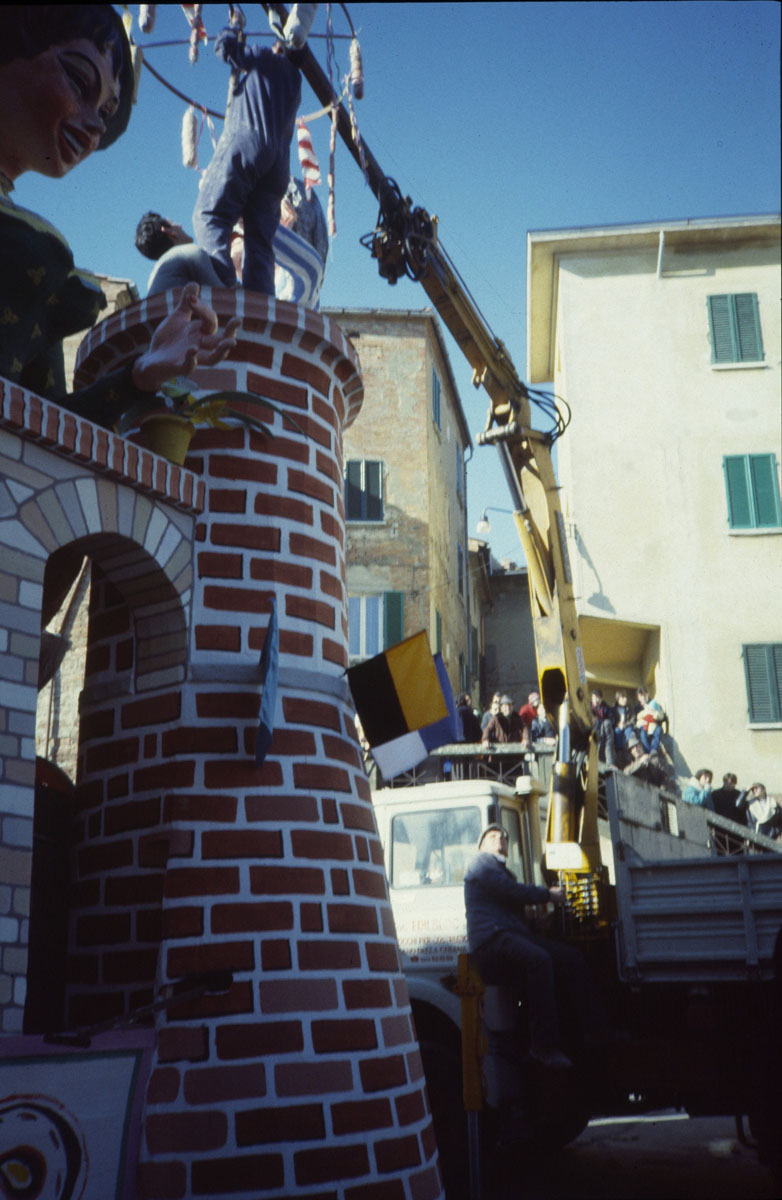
(752, 491)
(763, 670)
(375, 622)
(363, 490)
(734, 324)
(459, 470)
(460, 568)
(438, 632)
(437, 415)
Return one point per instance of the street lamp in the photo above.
(484, 525)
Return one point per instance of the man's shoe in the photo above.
(552, 1059)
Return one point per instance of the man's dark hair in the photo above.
(151, 239)
(30, 29)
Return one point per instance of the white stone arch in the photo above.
(145, 548)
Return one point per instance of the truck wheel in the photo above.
(443, 1071)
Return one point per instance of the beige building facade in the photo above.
(406, 494)
(665, 341)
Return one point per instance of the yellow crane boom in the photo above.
(406, 241)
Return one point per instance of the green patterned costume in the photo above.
(43, 299)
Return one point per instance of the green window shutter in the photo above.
(393, 618)
(737, 487)
(763, 669)
(374, 491)
(353, 490)
(748, 327)
(438, 632)
(752, 490)
(723, 345)
(734, 323)
(764, 486)
(776, 671)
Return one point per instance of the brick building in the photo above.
(406, 494)
(247, 903)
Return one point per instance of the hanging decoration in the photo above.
(197, 30)
(190, 138)
(137, 61)
(331, 216)
(356, 69)
(352, 88)
(310, 168)
(146, 17)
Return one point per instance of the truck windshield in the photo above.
(433, 847)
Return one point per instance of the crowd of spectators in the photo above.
(752, 807)
(500, 724)
(630, 738)
(630, 735)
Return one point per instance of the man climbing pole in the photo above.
(249, 172)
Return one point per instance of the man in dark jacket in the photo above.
(724, 800)
(505, 726)
(505, 951)
(471, 726)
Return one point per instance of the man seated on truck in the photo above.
(507, 952)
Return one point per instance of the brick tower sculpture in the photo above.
(303, 1078)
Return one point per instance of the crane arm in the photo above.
(405, 241)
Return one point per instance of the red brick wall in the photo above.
(304, 1077)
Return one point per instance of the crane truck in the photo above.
(684, 943)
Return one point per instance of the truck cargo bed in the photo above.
(693, 918)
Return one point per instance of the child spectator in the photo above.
(604, 725)
(649, 719)
(492, 710)
(642, 765)
(623, 723)
(763, 813)
(541, 729)
(698, 790)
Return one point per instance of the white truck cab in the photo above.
(429, 835)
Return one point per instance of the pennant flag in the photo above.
(270, 662)
(310, 168)
(405, 704)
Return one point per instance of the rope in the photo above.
(331, 216)
(322, 112)
(258, 33)
(187, 99)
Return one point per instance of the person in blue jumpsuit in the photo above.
(249, 172)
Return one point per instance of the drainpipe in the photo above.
(660, 250)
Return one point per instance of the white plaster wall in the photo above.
(643, 478)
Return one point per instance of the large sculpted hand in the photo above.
(187, 338)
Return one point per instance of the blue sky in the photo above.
(499, 118)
